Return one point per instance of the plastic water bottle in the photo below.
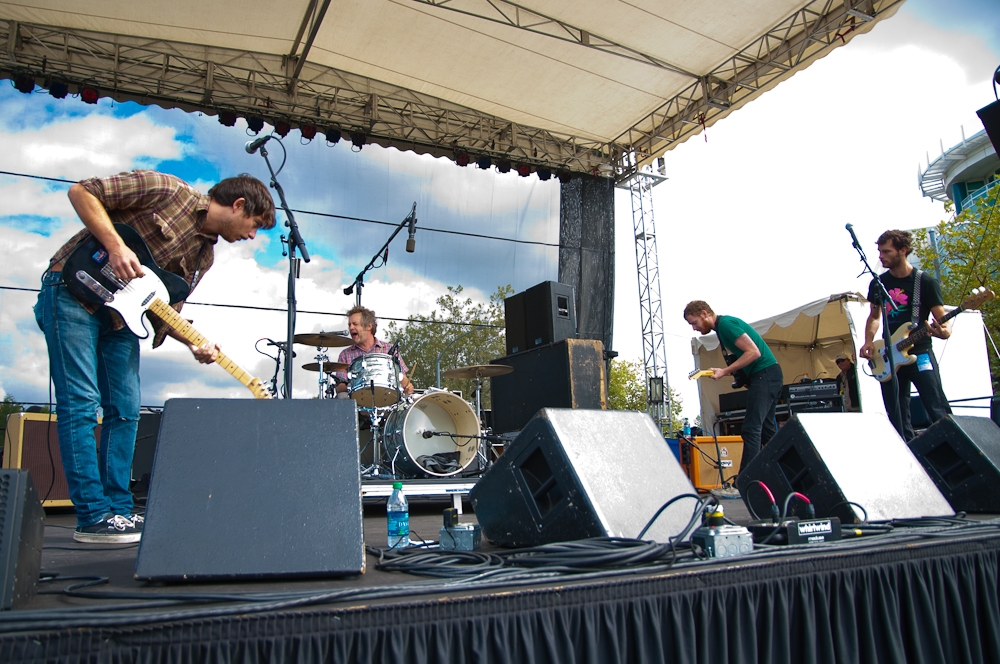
(398, 518)
(687, 428)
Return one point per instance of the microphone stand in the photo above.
(359, 281)
(293, 242)
(885, 304)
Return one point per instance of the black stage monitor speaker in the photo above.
(962, 456)
(245, 488)
(573, 474)
(566, 374)
(541, 315)
(22, 529)
(838, 457)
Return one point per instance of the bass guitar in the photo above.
(907, 335)
(88, 277)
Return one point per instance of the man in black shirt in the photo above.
(900, 281)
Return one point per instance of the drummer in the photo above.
(362, 324)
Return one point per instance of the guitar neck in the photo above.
(176, 323)
(921, 334)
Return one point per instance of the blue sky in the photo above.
(751, 220)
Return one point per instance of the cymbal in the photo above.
(323, 339)
(328, 367)
(482, 370)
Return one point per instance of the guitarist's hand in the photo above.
(718, 373)
(207, 353)
(125, 263)
(867, 350)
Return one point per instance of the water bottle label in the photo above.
(399, 529)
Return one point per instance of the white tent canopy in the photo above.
(574, 84)
(806, 340)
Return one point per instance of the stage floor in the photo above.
(65, 559)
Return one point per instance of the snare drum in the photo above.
(410, 452)
(373, 380)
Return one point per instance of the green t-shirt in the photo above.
(729, 329)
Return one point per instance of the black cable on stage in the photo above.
(662, 508)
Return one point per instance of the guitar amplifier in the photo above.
(798, 392)
(703, 460)
(32, 444)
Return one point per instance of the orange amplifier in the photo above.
(32, 444)
(703, 459)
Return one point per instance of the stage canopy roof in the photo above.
(594, 86)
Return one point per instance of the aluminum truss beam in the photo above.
(209, 79)
(654, 354)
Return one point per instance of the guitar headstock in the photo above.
(258, 389)
(701, 373)
(978, 296)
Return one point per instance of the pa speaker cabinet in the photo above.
(962, 456)
(837, 457)
(22, 528)
(572, 474)
(712, 462)
(33, 444)
(541, 315)
(990, 115)
(566, 374)
(246, 488)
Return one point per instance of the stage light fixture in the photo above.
(308, 131)
(58, 89)
(564, 176)
(332, 135)
(524, 170)
(255, 124)
(503, 166)
(281, 128)
(24, 83)
(484, 162)
(227, 118)
(358, 139)
(89, 94)
(462, 159)
(543, 174)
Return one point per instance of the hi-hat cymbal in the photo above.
(323, 339)
(328, 367)
(481, 370)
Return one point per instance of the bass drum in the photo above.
(411, 453)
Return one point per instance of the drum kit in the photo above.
(434, 434)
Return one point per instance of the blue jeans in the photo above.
(92, 366)
(759, 424)
(931, 395)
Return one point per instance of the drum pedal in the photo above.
(457, 536)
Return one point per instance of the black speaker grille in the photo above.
(541, 482)
(795, 471)
(946, 461)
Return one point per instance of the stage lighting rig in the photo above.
(524, 170)
(308, 131)
(503, 166)
(358, 139)
(462, 159)
(332, 135)
(484, 162)
(24, 83)
(89, 94)
(255, 123)
(58, 89)
(227, 118)
(281, 128)
(543, 174)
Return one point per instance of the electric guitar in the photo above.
(907, 335)
(739, 376)
(88, 277)
(700, 373)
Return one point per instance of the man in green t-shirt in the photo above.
(756, 361)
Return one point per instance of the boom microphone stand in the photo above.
(293, 242)
(359, 281)
(885, 304)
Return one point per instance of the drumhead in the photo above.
(438, 412)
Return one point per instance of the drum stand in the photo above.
(375, 413)
(324, 382)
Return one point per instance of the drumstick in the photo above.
(410, 372)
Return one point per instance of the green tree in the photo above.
(475, 332)
(968, 250)
(627, 391)
(8, 407)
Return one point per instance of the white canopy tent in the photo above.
(806, 340)
(579, 85)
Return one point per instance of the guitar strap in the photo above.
(915, 310)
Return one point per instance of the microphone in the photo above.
(427, 433)
(850, 229)
(252, 146)
(411, 242)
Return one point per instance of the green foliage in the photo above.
(8, 407)
(969, 254)
(627, 391)
(420, 343)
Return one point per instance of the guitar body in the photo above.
(879, 362)
(89, 277)
(90, 259)
(739, 376)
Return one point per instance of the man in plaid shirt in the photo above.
(94, 358)
(362, 325)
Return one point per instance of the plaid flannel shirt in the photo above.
(168, 214)
(352, 353)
